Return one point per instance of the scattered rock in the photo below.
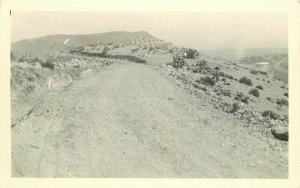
(280, 133)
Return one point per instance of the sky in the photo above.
(200, 30)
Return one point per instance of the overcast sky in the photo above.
(196, 30)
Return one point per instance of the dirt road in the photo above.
(132, 121)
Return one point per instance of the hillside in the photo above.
(40, 47)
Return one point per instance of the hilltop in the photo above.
(40, 47)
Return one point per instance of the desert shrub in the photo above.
(48, 64)
(191, 53)
(228, 76)
(23, 58)
(216, 68)
(240, 94)
(285, 118)
(282, 102)
(254, 92)
(224, 79)
(223, 74)
(218, 73)
(286, 94)
(202, 63)
(246, 81)
(235, 107)
(269, 99)
(203, 88)
(105, 50)
(216, 78)
(270, 114)
(79, 49)
(259, 87)
(245, 99)
(130, 58)
(263, 73)
(207, 81)
(225, 92)
(135, 50)
(241, 97)
(258, 72)
(178, 62)
(202, 67)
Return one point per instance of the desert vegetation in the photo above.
(246, 81)
(242, 97)
(282, 102)
(235, 107)
(254, 92)
(259, 87)
(178, 62)
(48, 64)
(191, 53)
(259, 72)
(270, 114)
(207, 80)
(201, 67)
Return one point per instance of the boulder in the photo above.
(59, 80)
(280, 133)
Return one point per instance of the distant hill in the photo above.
(279, 59)
(40, 47)
(277, 64)
(236, 54)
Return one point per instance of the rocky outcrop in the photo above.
(59, 80)
(280, 133)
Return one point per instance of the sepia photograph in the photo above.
(149, 94)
